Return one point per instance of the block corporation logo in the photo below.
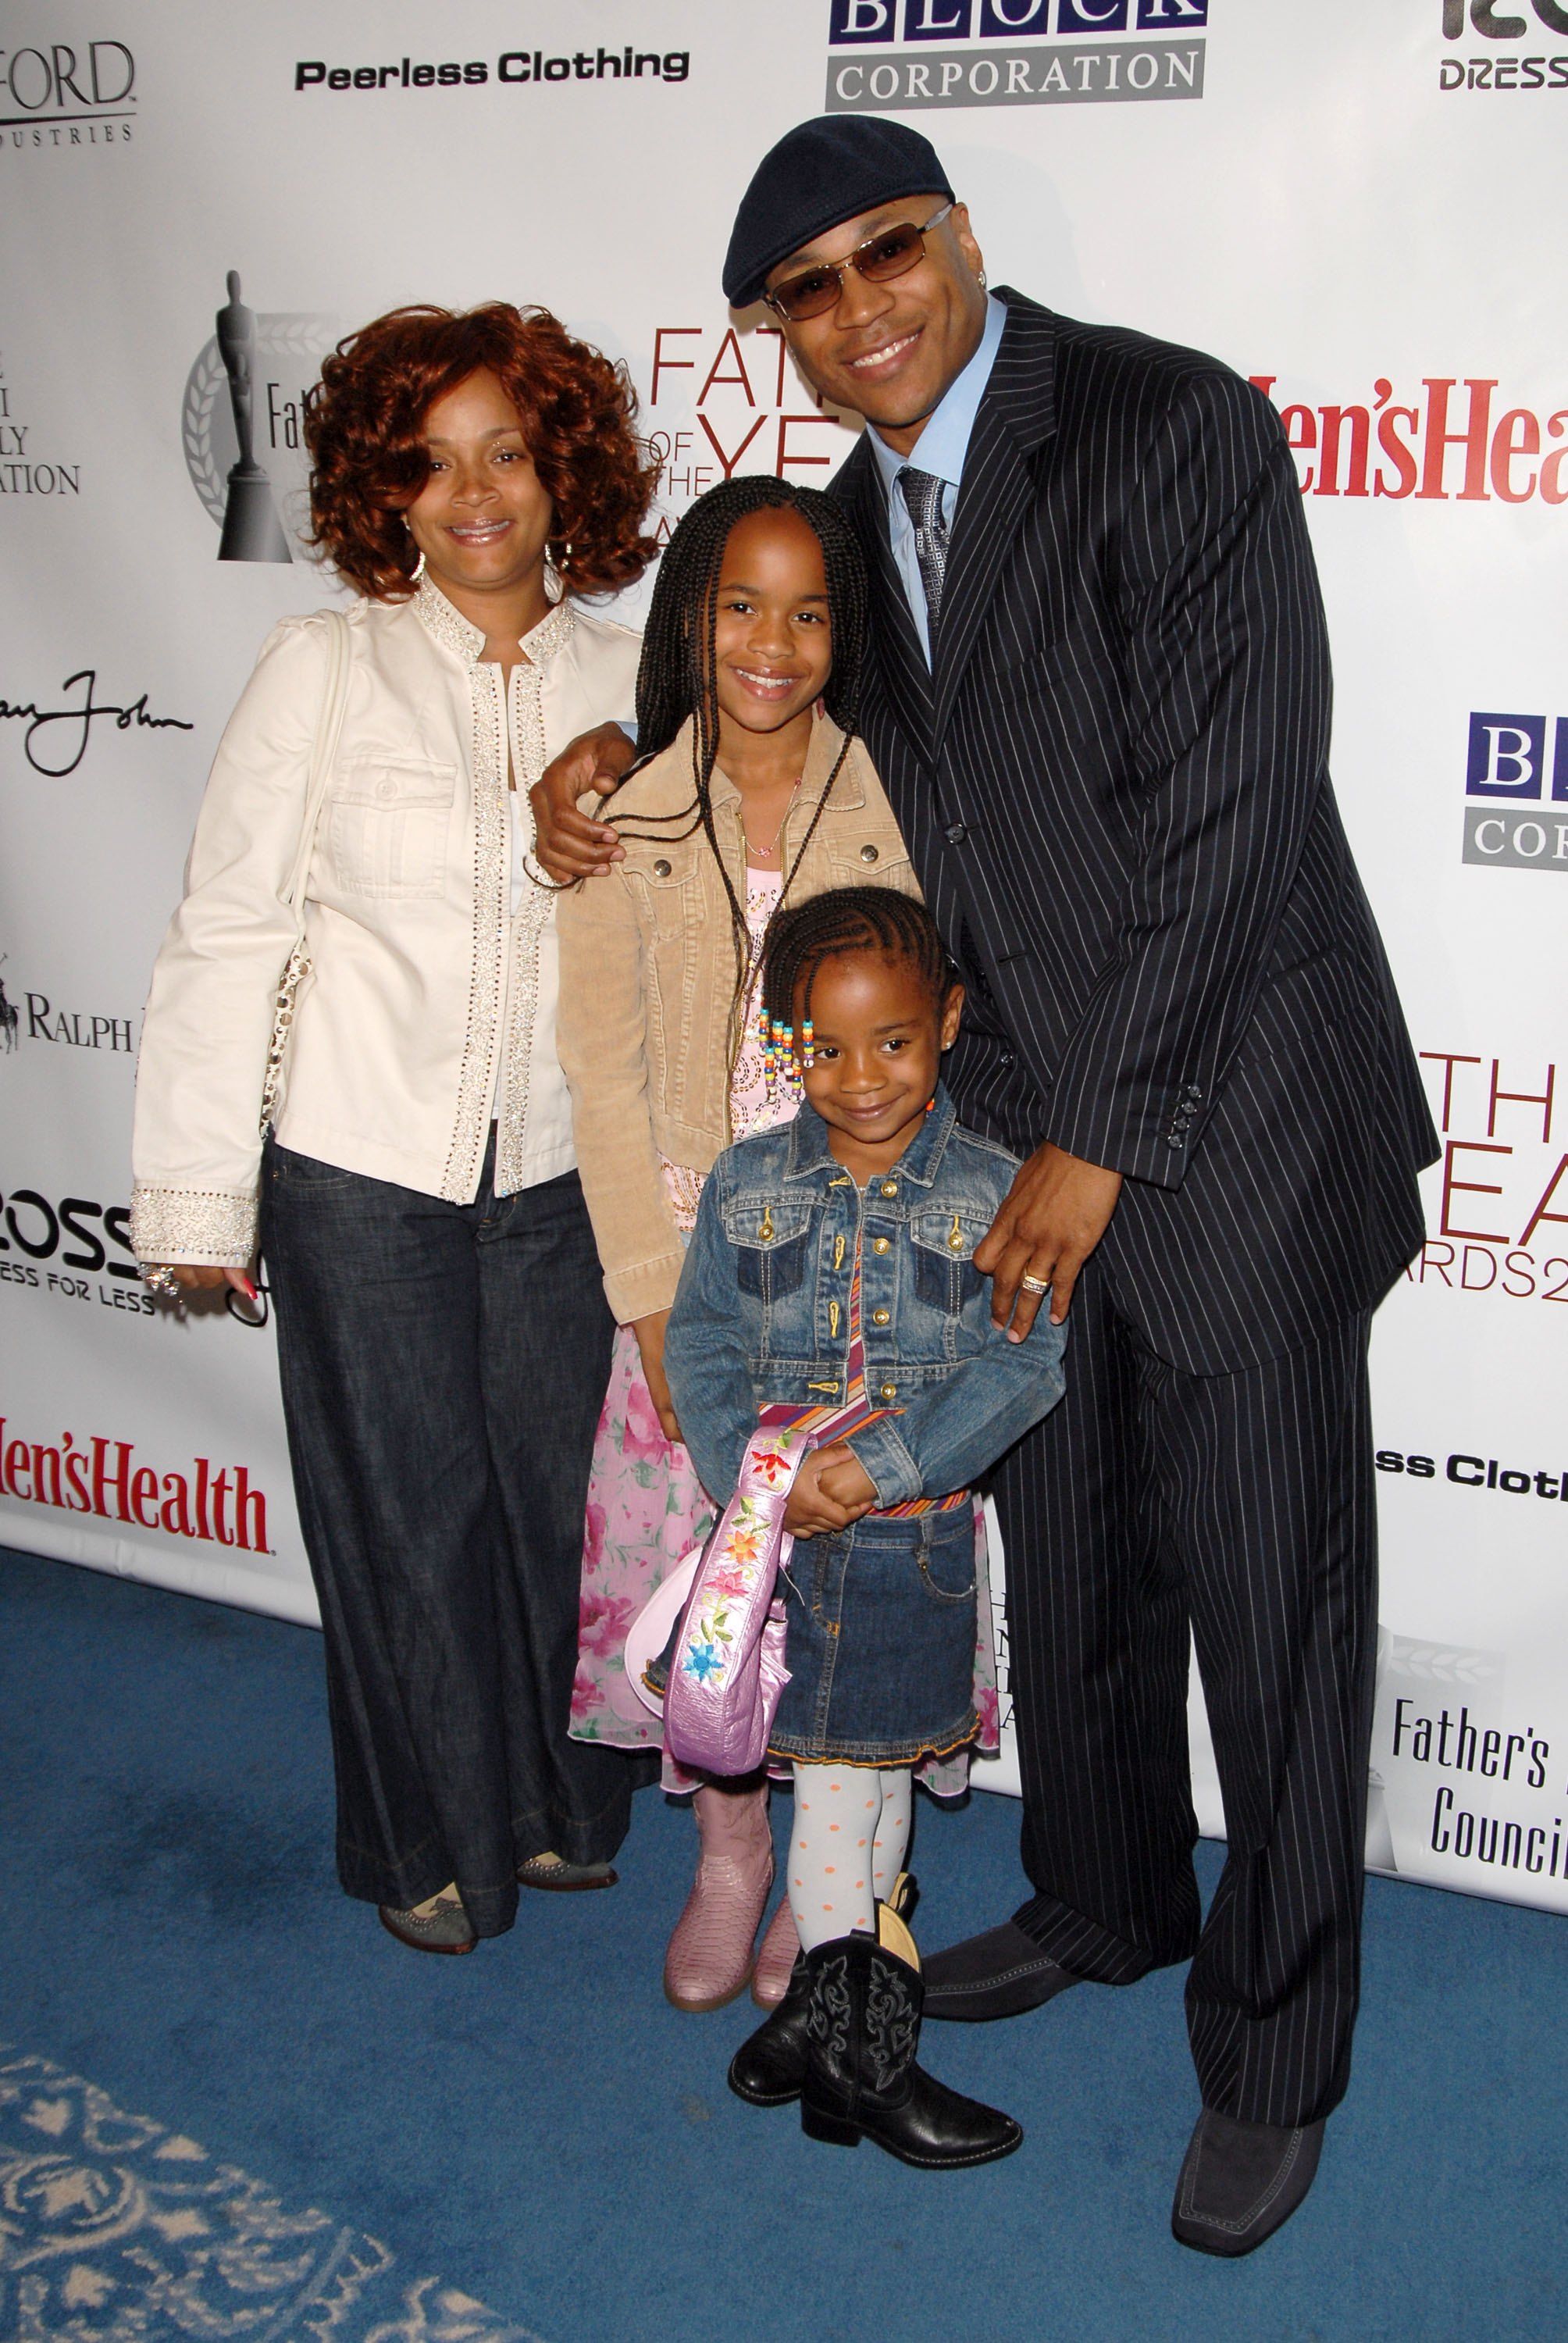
(67, 94)
(1508, 49)
(887, 54)
(241, 424)
(1516, 792)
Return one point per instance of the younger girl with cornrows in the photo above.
(830, 1281)
(751, 789)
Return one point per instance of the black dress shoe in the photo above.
(769, 2068)
(1240, 2181)
(999, 1974)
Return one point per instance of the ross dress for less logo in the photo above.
(914, 54)
(1516, 791)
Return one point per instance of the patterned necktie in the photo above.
(923, 496)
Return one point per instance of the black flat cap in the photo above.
(821, 173)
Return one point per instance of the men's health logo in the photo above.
(1516, 787)
(913, 54)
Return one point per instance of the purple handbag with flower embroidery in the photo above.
(727, 1665)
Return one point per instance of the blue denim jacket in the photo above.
(762, 1313)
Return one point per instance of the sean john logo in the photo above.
(56, 739)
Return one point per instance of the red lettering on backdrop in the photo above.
(1411, 450)
(728, 462)
(1541, 1212)
(100, 1478)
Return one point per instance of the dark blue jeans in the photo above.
(443, 1370)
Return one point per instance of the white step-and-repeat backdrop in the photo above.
(1357, 206)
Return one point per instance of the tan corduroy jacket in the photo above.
(648, 985)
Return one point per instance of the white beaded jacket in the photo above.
(430, 1008)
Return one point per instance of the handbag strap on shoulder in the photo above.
(323, 755)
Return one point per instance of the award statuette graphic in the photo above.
(251, 528)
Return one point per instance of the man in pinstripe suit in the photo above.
(1100, 705)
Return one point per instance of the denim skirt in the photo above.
(880, 1642)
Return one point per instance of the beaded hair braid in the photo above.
(676, 677)
(846, 919)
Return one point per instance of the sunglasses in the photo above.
(891, 252)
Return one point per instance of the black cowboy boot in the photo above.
(863, 2029)
(769, 2066)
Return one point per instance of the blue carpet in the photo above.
(530, 2143)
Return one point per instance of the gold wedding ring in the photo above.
(1034, 1285)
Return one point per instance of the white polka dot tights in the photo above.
(847, 1846)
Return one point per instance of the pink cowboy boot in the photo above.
(776, 1958)
(709, 1958)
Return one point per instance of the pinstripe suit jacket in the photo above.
(1113, 782)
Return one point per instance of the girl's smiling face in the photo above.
(773, 646)
(878, 1035)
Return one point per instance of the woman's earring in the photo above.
(419, 569)
(982, 280)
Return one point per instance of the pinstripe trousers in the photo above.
(1241, 1505)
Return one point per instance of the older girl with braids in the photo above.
(830, 1281)
(751, 791)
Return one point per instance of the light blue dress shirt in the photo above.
(939, 449)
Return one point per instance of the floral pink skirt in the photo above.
(646, 1511)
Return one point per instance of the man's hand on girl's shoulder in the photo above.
(570, 845)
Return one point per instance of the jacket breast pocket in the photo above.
(875, 857)
(388, 818)
(943, 1242)
(669, 890)
(770, 1241)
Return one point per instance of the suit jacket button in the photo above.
(1174, 1139)
(868, 854)
(956, 834)
(661, 869)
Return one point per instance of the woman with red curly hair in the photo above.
(443, 1338)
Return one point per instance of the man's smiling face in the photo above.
(889, 352)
